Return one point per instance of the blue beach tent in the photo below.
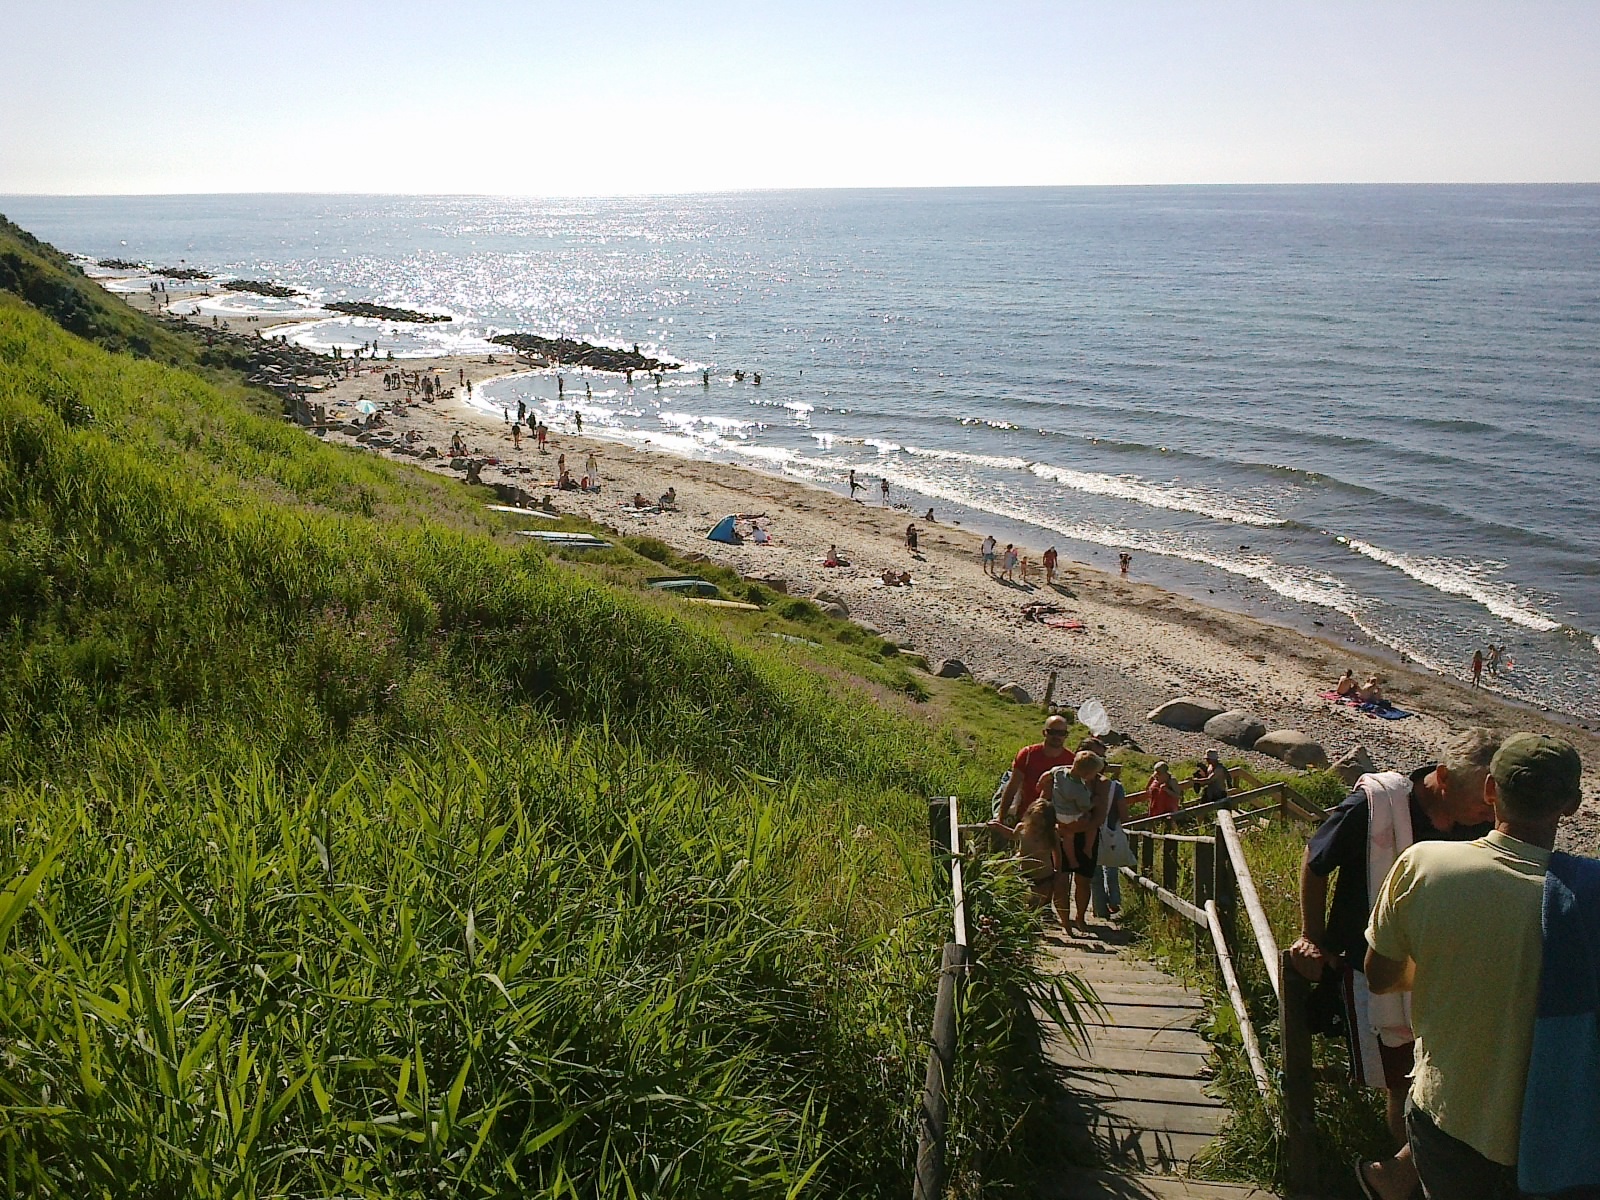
(723, 531)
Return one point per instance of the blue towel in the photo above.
(1560, 1150)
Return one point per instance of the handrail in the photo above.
(1221, 875)
(1266, 942)
(945, 840)
(958, 891)
(1247, 1031)
(1199, 810)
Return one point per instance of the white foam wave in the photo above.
(881, 446)
(1168, 496)
(1292, 583)
(1465, 579)
(998, 462)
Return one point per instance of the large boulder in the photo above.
(1186, 712)
(825, 598)
(1293, 747)
(1015, 692)
(952, 668)
(833, 608)
(1235, 727)
(1352, 765)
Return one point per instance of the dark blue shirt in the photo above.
(1340, 844)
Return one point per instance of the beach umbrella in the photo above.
(366, 406)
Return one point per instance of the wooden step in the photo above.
(1102, 1185)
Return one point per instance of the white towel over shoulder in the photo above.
(1389, 833)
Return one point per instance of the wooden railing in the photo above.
(944, 837)
(1220, 883)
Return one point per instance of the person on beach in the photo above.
(883, 490)
(1477, 668)
(855, 484)
(911, 537)
(833, 559)
(1496, 656)
(591, 467)
(1384, 813)
(1030, 764)
(1125, 560)
(577, 420)
(1009, 562)
(522, 409)
(542, 432)
(1347, 687)
(929, 518)
(1050, 558)
(1161, 795)
(1467, 930)
(516, 435)
(1372, 691)
(1080, 799)
(458, 448)
(561, 387)
(986, 555)
(669, 499)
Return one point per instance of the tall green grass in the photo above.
(348, 849)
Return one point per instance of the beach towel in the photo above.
(1560, 1147)
(1388, 835)
(1381, 709)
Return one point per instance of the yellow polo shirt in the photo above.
(1467, 914)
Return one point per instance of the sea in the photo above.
(1370, 412)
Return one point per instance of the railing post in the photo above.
(1147, 857)
(1224, 892)
(1205, 854)
(1169, 865)
(1299, 1096)
(939, 841)
(931, 1120)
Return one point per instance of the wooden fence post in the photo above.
(1169, 866)
(939, 841)
(1224, 892)
(1299, 1096)
(931, 1120)
(1205, 854)
(1147, 857)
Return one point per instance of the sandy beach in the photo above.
(1139, 645)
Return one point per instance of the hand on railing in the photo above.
(1311, 960)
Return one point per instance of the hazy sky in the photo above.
(613, 97)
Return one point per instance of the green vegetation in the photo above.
(347, 847)
(1349, 1121)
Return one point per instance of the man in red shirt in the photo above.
(1022, 789)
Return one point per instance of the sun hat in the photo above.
(1213, 756)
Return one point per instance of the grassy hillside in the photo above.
(348, 848)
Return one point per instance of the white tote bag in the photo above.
(1115, 849)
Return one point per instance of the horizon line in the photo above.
(737, 191)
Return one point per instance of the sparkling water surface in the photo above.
(1374, 407)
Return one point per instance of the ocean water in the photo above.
(1370, 411)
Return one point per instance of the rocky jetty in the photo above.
(119, 264)
(566, 352)
(382, 312)
(260, 287)
(182, 273)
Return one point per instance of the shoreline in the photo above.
(1140, 644)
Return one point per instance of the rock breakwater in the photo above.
(382, 312)
(566, 352)
(260, 287)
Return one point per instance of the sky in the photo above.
(616, 98)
